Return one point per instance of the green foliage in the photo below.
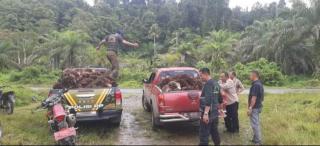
(313, 83)
(63, 33)
(34, 75)
(23, 94)
(269, 72)
(291, 41)
(132, 78)
(202, 64)
(134, 70)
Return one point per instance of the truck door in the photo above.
(148, 85)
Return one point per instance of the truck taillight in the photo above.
(161, 100)
(118, 97)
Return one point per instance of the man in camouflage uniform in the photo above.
(113, 42)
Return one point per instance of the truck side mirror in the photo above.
(145, 81)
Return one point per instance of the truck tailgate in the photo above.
(86, 100)
(181, 101)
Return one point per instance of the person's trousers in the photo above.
(113, 58)
(231, 120)
(255, 124)
(206, 130)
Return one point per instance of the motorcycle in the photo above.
(7, 100)
(60, 119)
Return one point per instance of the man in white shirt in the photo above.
(239, 86)
(232, 102)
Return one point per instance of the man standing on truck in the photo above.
(237, 82)
(209, 103)
(113, 41)
(256, 96)
(232, 102)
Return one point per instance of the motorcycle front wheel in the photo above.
(9, 107)
(68, 141)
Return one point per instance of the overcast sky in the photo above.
(234, 3)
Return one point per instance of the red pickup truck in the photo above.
(170, 106)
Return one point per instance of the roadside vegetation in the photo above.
(286, 119)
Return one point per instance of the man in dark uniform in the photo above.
(113, 42)
(209, 103)
(256, 96)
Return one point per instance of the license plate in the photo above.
(195, 114)
(192, 115)
(64, 133)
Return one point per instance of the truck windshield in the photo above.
(171, 74)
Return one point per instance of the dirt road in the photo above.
(135, 128)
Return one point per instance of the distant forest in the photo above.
(63, 33)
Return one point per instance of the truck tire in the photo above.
(155, 121)
(70, 141)
(145, 105)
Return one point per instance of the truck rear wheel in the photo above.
(145, 105)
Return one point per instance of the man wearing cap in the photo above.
(113, 42)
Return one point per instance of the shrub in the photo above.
(269, 71)
(34, 75)
(132, 78)
(23, 94)
(133, 71)
(202, 64)
(313, 83)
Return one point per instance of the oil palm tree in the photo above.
(68, 48)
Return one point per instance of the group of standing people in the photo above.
(224, 93)
(231, 87)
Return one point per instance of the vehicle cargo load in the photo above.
(85, 78)
(180, 82)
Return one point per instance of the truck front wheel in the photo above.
(155, 121)
(145, 104)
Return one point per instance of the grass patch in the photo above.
(301, 82)
(291, 119)
(24, 94)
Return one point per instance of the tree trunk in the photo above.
(19, 59)
(56, 61)
(154, 46)
(177, 39)
(71, 59)
(24, 56)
